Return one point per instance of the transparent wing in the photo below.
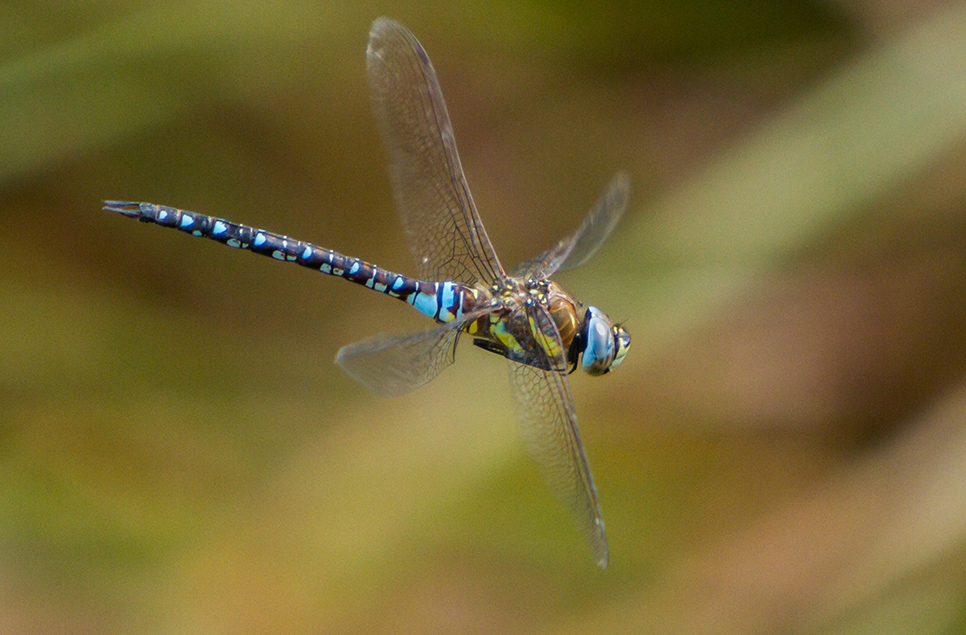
(549, 427)
(390, 365)
(580, 246)
(438, 213)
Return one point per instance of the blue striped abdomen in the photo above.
(443, 301)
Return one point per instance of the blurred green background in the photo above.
(782, 452)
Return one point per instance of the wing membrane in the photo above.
(549, 426)
(438, 213)
(391, 365)
(580, 246)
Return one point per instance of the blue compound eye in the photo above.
(600, 347)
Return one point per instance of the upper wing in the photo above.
(438, 213)
(578, 247)
(549, 426)
(391, 365)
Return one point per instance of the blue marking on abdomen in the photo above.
(426, 304)
(447, 293)
(395, 286)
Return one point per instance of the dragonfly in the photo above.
(543, 332)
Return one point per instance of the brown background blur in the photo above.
(783, 451)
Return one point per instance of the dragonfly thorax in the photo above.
(567, 314)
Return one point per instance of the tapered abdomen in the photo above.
(443, 301)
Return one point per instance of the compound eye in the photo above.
(599, 352)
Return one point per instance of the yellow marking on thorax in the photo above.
(498, 330)
(546, 342)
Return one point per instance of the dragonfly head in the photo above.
(604, 343)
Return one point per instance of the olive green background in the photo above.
(783, 451)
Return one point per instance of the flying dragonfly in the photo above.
(543, 332)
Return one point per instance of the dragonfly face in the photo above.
(604, 344)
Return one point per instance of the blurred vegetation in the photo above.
(782, 451)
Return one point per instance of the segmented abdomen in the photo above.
(443, 301)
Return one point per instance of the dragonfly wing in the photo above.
(391, 365)
(549, 426)
(438, 213)
(580, 246)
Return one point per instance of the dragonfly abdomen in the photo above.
(442, 301)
